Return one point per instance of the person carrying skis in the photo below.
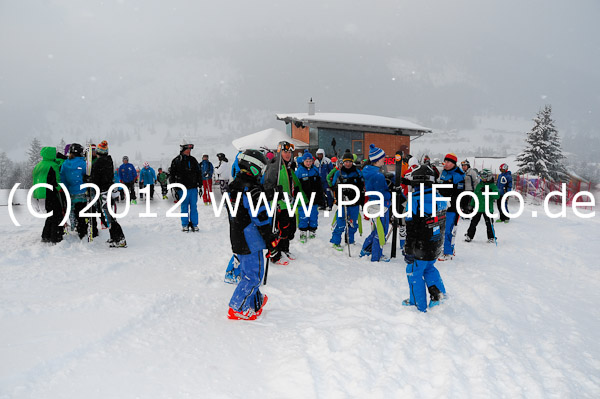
(163, 179)
(128, 176)
(348, 174)
(504, 186)
(186, 170)
(280, 176)
(148, 178)
(485, 185)
(324, 165)
(424, 237)
(471, 181)
(456, 177)
(223, 173)
(376, 181)
(47, 171)
(309, 178)
(249, 236)
(207, 170)
(72, 174)
(102, 176)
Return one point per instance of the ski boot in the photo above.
(445, 257)
(467, 238)
(195, 229)
(312, 234)
(384, 258)
(303, 237)
(289, 255)
(364, 253)
(406, 302)
(185, 229)
(338, 247)
(491, 240)
(133, 202)
(119, 244)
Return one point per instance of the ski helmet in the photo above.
(146, 165)
(286, 146)
(426, 160)
(466, 162)
(504, 168)
(185, 145)
(486, 175)
(76, 149)
(421, 174)
(253, 161)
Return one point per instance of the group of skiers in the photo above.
(93, 165)
(428, 238)
(423, 239)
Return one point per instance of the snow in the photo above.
(82, 320)
(268, 138)
(355, 119)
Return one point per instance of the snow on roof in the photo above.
(268, 138)
(355, 119)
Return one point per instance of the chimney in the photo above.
(311, 107)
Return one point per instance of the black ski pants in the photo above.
(475, 222)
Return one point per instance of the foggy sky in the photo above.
(70, 67)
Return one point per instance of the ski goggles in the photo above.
(285, 146)
(186, 147)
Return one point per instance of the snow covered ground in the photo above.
(80, 320)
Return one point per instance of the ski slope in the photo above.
(80, 320)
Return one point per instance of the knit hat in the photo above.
(334, 159)
(102, 148)
(307, 155)
(375, 154)
(348, 157)
(451, 157)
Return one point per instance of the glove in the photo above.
(272, 245)
(409, 258)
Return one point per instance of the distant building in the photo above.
(336, 132)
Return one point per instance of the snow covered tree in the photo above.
(543, 155)
(34, 152)
(5, 170)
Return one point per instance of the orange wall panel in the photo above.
(300, 133)
(389, 143)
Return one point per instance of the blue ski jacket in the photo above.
(207, 169)
(456, 177)
(148, 176)
(375, 181)
(71, 174)
(504, 182)
(127, 173)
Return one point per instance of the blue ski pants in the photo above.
(308, 221)
(189, 206)
(422, 274)
(372, 240)
(247, 293)
(450, 233)
(340, 225)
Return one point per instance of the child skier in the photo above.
(348, 174)
(424, 238)
(207, 176)
(487, 181)
(249, 236)
(311, 183)
(504, 186)
(162, 180)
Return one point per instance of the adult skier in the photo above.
(72, 174)
(186, 170)
(375, 181)
(456, 177)
(163, 179)
(223, 173)
(471, 181)
(324, 165)
(102, 176)
(249, 235)
(504, 186)
(148, 178)
(128, 176)
(281, 177)
(424, 237)
(207, 175)
(348, 174)
(486, 184)
(47, 171)
(309, 178)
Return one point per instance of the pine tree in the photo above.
(33, 153)
(5, 170)
(61, 146)
(543, 154)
